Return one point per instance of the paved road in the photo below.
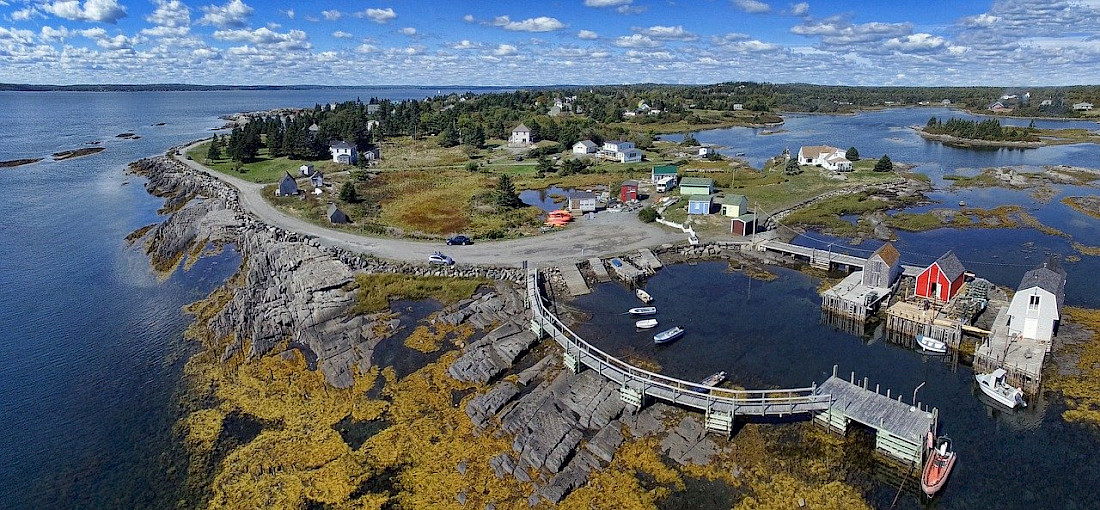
(608, 233)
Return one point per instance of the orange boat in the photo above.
(559, 218)
(939, 465)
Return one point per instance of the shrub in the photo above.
(648, 215)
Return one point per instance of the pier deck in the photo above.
(647, 259)
(1021, 358)
(601, 270)
(900, 428)
(826, 258)
(574, 280)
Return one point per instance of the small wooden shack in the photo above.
(743, 225)
(696, 186)
(1036, 308)
(700, 204)
(628, 191)
(583, 201)
(941, 280)
(882, 267)
(287, 186)
(335, 215)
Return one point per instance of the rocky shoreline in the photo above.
(965, 143)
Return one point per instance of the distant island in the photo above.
(18, 162)
(990, 133)
(76, 153)
(187, 87)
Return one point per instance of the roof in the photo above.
(630, 183)
(696, 181)
(581, 195)
(286, 177)
(665, 170)
(586, 143)
(521, 128)
(734, 199)
(1049, 276)
(340, 145)
(746, 218)
(317, 175)
(836, 156)
(332, 209)
(815, 151)
(612, 142)
(889, 254)
(950, 265)
(701, 198)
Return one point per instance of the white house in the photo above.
(630, 113)
(1036, 307)
(629, 155)
(521, 136)
(706, 151)
(1082, 107)
(1046, 102)
(738, 107)
(617, 146)
(825, 156)
(584, 147)
(583, 201)
(306, 169)
(343, 152)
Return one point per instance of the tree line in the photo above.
(989, 129)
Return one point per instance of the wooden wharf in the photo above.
(825, 259)
(574, 280)
(900, 428)
(599, 269)
(647, 260)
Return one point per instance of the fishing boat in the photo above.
(643, 310)
(646, 324)
(711, 381)
(643, 295)
(668, 335)
(931, 345)
(993, 384)
(939, 465)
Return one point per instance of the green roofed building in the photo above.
(696, 186)
(661, 172)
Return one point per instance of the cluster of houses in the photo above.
(348, 154)
(613, 150)
(1009, 102)
(288, 187)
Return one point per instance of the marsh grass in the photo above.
(376, 290)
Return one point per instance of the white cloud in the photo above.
(410, 31)
(836, 31)
(504, 50)
(332, 15)
(915, 43)
(205, 54)
(465, 45)
(636, 41)
(587, 34)
(378, 15)
(676, 33)
(340, 34)
(170, 13)
(539, 24)
(289, 13)
(800, 8)
(469, 18)
(51, 34)
(606, 3)
(752, 6)
(16, 35)
(366, 48)
(231, 15)
(24, 14)
(265, 38)
(105, 11)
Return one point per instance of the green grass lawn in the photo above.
(265, 169)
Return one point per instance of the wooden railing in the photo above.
(780, 401)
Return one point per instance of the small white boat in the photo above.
(643, 310)
(711, 381)
(931, 345)
(646, 324)
(643, 295)
(994, 385)
(668, 335)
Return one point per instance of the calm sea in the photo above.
(92, 345)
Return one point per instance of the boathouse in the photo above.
(941, 280)
(744, 225)
(583, 201)
(1036, 307)
(734, 205)
(628, 191)
(882, 267)
(287, 186)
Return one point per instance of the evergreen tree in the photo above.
(348, 193)
(884, 164)
(448, 137)
(214, 152)
(505, 194)
(852, 154)
(792, 167)
(689, 140)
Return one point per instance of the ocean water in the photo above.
(92, 347)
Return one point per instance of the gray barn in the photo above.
(882, 267)
(287, 186)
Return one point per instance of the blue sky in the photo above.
(527, 42)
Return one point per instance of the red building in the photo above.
(941, 280)
(629, 191)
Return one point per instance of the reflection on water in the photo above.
(771, 334)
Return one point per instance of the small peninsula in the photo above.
(76, 153)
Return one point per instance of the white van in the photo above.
(666, 185)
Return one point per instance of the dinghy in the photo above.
(643, 295)
(939, 465)
(931, 345)
(646, 324)
(711, 381)
(668, 335)
(643, 310)
(994, 385)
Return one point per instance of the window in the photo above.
(1033, 303)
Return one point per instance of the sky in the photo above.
(549, 42)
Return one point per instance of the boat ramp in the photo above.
(899, 428)
(574, 280)
(599, 270)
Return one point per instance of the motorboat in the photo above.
(643, 295)
(940, 461)
(646, 324)
(931, 345)
(668, 335)
(993, 384)
(711, 381)
(643, 310)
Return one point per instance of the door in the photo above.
(934, 290)
(1031, 327)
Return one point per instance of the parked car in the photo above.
(459, 240)
(440, 259)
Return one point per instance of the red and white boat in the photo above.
(940, 461)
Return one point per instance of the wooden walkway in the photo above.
(601, 270)
(825, 258)
(647, 259)
(900, 428)
(574, 280)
